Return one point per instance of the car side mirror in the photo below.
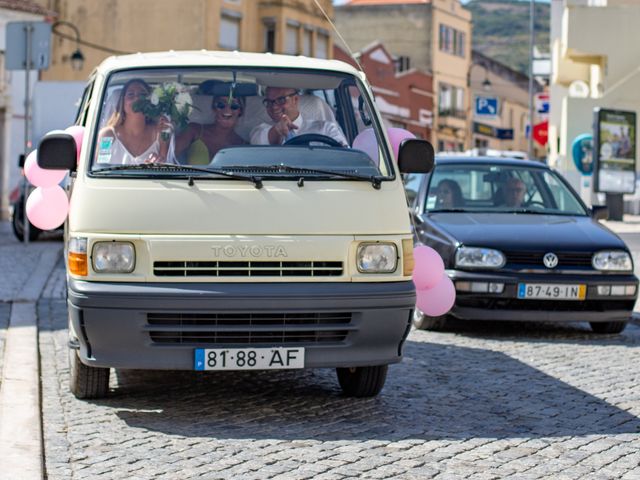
(415, 156)
(600, 212)
(57, 151)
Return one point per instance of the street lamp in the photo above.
(486, 83)
(76, 58)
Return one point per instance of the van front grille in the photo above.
(248, 328)
(247, 269)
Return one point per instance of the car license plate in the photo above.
(248, 358)
(551, 291)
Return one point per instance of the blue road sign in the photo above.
(487, 106)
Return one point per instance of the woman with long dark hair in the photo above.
(130, 137)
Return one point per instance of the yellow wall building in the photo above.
(295, 27)
(505, 127)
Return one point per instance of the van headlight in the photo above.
(113, 257)
(612, 261)
(377, 257)
(473, 257)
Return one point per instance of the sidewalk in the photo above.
(25, 271)
(630, 224)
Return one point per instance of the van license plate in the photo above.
(551, 291)
(248, 358)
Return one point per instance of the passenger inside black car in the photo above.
(449, 194)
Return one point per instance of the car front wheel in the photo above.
(17, 223)
(85, 381)
(608, 327)
(423, 322)
(362, 381)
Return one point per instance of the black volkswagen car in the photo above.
(519, 244)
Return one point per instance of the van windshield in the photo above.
(271, 122)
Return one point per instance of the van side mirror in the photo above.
(415, 156)
(600, 212)
(57, 151)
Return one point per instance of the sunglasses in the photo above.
(223, 105)
(277, 101)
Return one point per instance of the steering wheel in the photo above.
(307, 138)
(535, 204)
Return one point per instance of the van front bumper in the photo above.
(159, 325)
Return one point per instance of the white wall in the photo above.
(13, 132)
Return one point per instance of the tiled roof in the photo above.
(383, 2)
(28, 6)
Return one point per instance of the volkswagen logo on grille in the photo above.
(550, 260)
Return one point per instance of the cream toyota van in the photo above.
(287, 256)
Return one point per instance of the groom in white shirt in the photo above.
(282, 105)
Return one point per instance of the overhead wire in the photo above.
(88, 44)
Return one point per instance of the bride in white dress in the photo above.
(131, 138)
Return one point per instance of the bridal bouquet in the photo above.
(170, 99)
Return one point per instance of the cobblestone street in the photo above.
(507, 400)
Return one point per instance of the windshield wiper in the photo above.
(375, 180)
(526, 210)
(257, 181)
(448, 210)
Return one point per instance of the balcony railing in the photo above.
(452, 112)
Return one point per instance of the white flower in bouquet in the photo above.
(171, 100)
(182, 100)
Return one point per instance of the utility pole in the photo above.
(28, 31)
(532, 39)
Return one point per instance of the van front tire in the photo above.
(87, 382)
(362, 381)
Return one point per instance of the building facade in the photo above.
(499, 106)
(430, 35)
(405, 98)
(594, 48)
(296, 27)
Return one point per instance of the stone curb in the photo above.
(20, 423)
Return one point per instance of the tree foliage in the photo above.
(501, 30)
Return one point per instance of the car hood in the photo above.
(509, 231)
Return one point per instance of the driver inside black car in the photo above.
(282, 105)
(514, 192)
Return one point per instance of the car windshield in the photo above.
(499, 188)
(275, 123)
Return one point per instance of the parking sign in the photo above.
(486, 106)
(542, 104)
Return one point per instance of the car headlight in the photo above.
(473, 257)
(113, 257)
(377, 258)
(612, 261)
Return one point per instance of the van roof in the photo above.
(213, 58)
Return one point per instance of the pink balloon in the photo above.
(396, 136)
(47, 207)
(437, 300)
(77, 132)
(39, 176)
(367, 142)
(428, 268)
